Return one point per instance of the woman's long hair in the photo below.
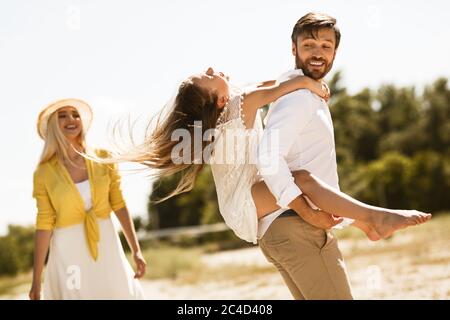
(193, 109)
(56, 143)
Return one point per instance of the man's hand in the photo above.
(317, 218)
(322, 219)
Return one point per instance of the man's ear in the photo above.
(294, 49)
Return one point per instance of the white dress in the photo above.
(233, 165)
(72, 274)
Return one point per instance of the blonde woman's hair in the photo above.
(56, 143)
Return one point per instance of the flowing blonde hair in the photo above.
(192, 104)
(56, 143)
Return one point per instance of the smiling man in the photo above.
(315, 40)
(305, 252)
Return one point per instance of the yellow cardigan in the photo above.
(59, 202)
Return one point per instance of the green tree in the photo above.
(198, 206)
(16, 250)
(396, 181)
(436, 123)
(392, 147)
(429, 181)
(9, 257)
(383, 182)
(356, 127)
(399, 120)
(399, 108)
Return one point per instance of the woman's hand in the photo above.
(318, 87)
(141, 264)
(41, 245)
(327, 91)
(35, 292)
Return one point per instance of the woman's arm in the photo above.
(41, 245)
(269, 91)
(267, 83)
(130, 234)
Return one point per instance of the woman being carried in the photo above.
(206, 102)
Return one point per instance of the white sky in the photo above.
(126, 57)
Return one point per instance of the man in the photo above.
(305, 253)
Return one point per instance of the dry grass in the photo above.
(239, 274)
(172, 262)
(413, 264)
(11, 286)
(187, 266)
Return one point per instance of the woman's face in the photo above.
(214, 82)
(69, 122)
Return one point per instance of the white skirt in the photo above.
(72, 273)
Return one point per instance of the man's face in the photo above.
(315, 56)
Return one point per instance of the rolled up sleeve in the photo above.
(115, 192)
(46, 215)
(289, 117)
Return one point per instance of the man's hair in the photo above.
(311, 23)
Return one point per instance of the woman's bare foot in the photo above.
(386, 222)
(368, 230)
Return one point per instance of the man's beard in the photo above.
(316, 75)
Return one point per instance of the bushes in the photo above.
(9, 259)
(396, 181)
(16, 250)
(392, 147)
(198, 206)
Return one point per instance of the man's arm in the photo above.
(318, 218)
(291, 115)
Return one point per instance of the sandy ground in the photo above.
(408, 266)
(266, 285)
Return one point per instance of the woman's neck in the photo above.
(72, 151)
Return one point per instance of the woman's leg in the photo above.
(383, 221)
(265, 203)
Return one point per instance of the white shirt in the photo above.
(84, 189)
(299, 135)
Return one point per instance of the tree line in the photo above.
(392, 146)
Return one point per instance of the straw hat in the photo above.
(82, 107)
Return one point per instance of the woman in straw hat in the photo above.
(75, 197)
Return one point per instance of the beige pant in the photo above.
(308, 259)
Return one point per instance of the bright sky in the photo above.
(126, 57)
